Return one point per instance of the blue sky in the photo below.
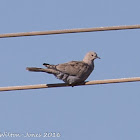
(86, 112)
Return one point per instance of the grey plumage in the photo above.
(72, 72)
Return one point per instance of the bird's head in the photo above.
(90, 57)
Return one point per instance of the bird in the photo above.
(73, 72)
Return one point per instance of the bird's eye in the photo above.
(92, 55)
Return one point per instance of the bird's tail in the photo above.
(34, 69)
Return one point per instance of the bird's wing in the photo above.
(74, 68)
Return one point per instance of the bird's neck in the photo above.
(91, 63)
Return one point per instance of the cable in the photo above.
(107, 81)
(70, 31)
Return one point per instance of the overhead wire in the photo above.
(95, 82)
(66, 31)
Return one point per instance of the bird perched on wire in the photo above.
(73, 72)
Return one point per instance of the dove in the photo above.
(73, 72)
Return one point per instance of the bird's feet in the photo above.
(76, 84)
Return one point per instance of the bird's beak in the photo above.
(98, 57)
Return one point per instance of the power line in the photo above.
(65, 31)
(107, 81)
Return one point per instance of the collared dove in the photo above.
(73, 72)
